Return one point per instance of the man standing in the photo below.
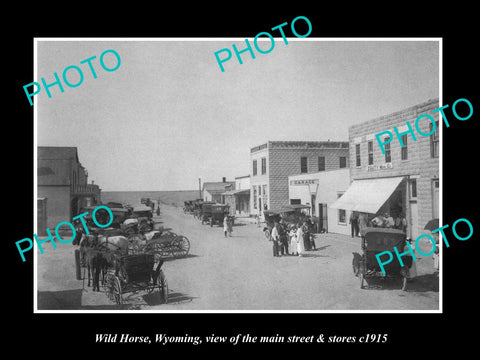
(354, 223)
(274, 236)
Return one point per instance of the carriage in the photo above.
(136, 272)
(375, 241)
(161, 243)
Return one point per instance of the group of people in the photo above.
(293, 239)
(359, 221)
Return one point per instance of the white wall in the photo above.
(330, 183)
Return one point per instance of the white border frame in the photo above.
(35, 193)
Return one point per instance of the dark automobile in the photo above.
(377, 240)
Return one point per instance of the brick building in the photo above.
(404, 180)
(62, 186)
(273, 162)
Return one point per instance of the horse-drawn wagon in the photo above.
(133, 273)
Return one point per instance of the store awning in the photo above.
(367, 195)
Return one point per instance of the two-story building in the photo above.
(62, 186)
(273, 162)
(405, 179)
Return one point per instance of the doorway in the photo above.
(322, 217)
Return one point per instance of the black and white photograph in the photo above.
(238, 189)
(233, 182)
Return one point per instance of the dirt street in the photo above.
(240, 273)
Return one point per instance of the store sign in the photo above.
(303, 182)
(380, 167)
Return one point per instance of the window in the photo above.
(264, 166)
(321, 163)
(413, 188)
(295, 201)
(404, 148)
(434, 140)
(370, 153)
(388, 155)
(254, 167)
(357, 154)
(254, 197)
(303, 165)
(342, 214)
(343, 161)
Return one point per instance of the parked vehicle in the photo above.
(213, 213)
(290, 214)
(374, 241)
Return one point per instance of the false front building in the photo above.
(62, 186)
(403, 181)
(273, 162)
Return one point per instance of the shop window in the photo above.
(264, 166)
(321, 163)
(254, 167)
(434, 140)
(342, 214)
(404, 148)
(303, 165)
(388, 155)
(370, 153)
(343, 162)
(357, 155)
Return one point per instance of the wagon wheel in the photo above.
(180, 246)
(267, 233)
(162, 287)
(117, 290)
(362, 278)
(108, 286)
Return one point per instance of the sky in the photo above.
(169, 116)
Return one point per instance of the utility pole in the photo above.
(199, 189)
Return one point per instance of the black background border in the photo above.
(426, 333)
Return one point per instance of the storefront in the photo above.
(403, 181)
(320, 190)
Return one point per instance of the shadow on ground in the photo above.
(422, 283)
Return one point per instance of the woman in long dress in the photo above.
(300, 248)
(293, 240)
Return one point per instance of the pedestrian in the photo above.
(306, 236)
(282, 232)
(293, 240)
(354, 223)
(274, 237)
(230, 225)
(225, 225)
(300, 247)
(362, 221)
